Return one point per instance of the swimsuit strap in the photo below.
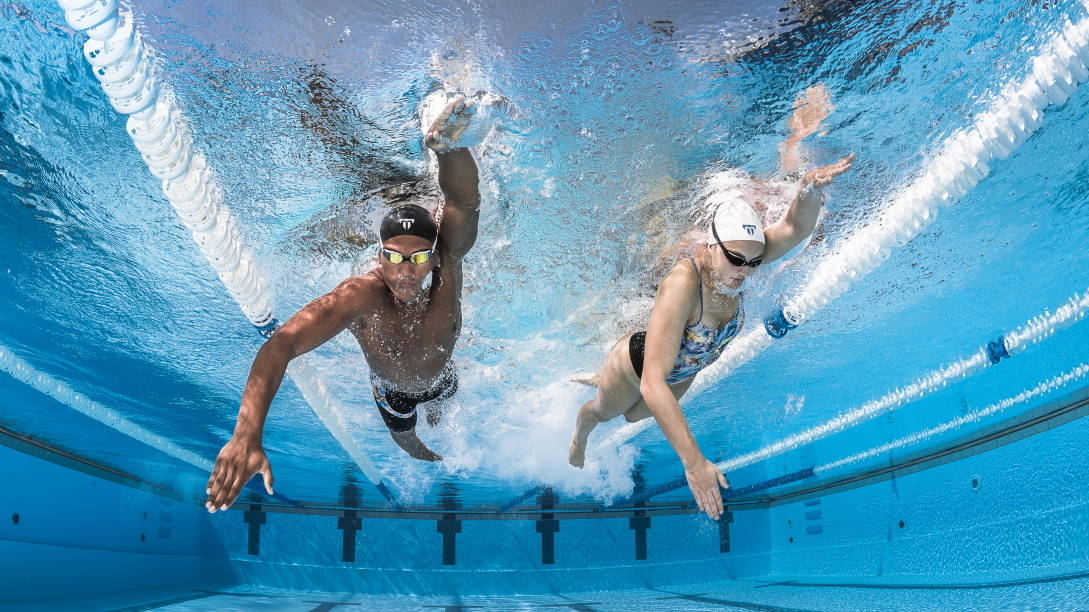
(699, 277)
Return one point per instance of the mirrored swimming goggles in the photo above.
(419, 257)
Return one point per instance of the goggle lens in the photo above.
(419, 257)
(739, 260)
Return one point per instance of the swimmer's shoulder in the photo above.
(363, 290)
(682, 279)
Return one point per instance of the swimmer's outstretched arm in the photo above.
(801, 218)
(461, 212)
(244, 455)
(676, 298)
(458, 178)
(811, 107)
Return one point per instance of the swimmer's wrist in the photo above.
(693, 462)
(809, 182)
(448, 151)
(248, 439)
(811, 190)
(441, 144)
(247, 433)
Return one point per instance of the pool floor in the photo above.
(1070, 592)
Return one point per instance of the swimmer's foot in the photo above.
(414, 446)
(426, 454)
(586, 378)
(576, 455)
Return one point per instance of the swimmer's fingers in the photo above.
(266, 475)
(239, 481)
(215, 483)
(843, 165)
(708, 503)
(220, 486)
(699, 499)
(460, 116)
(716, 502)
(443, 117)
(456, 112)
(702, 492)
(451, 124)
(217, 470)
(722, 484)
(435, 138)
(819, 177)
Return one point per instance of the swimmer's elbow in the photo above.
(282, 347)
(650, 387)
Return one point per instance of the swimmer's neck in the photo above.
(418, 303)
(717, 300)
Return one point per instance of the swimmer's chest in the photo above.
(396, 333)
(714, 316)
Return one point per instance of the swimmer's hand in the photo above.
(704, 479)
(819, 177)
(239, 460)
(811, 107)
(443, 135)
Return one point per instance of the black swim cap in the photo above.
(409, 220)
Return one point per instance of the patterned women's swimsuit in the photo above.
(700, 345)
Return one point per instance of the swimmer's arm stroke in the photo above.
(458, 178)
(801, 218)
(459, 181)
(675, 300)
(314, 325)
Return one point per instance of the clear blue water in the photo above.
(622, 110)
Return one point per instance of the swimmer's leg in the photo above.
(810, 108)
(414, 446)
(617, 390)
(640, 411)
(434, 409)
(398, 412)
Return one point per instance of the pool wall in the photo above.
(66, 533)
(494, 556)
(1015, 512)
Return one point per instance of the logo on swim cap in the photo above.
(733, 219)
(409, 219)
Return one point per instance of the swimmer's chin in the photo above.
(407, 296)
(731, 288)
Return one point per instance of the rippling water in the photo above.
(309, 116)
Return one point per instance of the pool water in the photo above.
(124, 356)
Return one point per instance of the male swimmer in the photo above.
(698, 311)
(406, 329)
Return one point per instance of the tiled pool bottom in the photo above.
(1069, 592)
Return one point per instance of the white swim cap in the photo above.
(734, 219)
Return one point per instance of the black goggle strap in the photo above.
(732, 257)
